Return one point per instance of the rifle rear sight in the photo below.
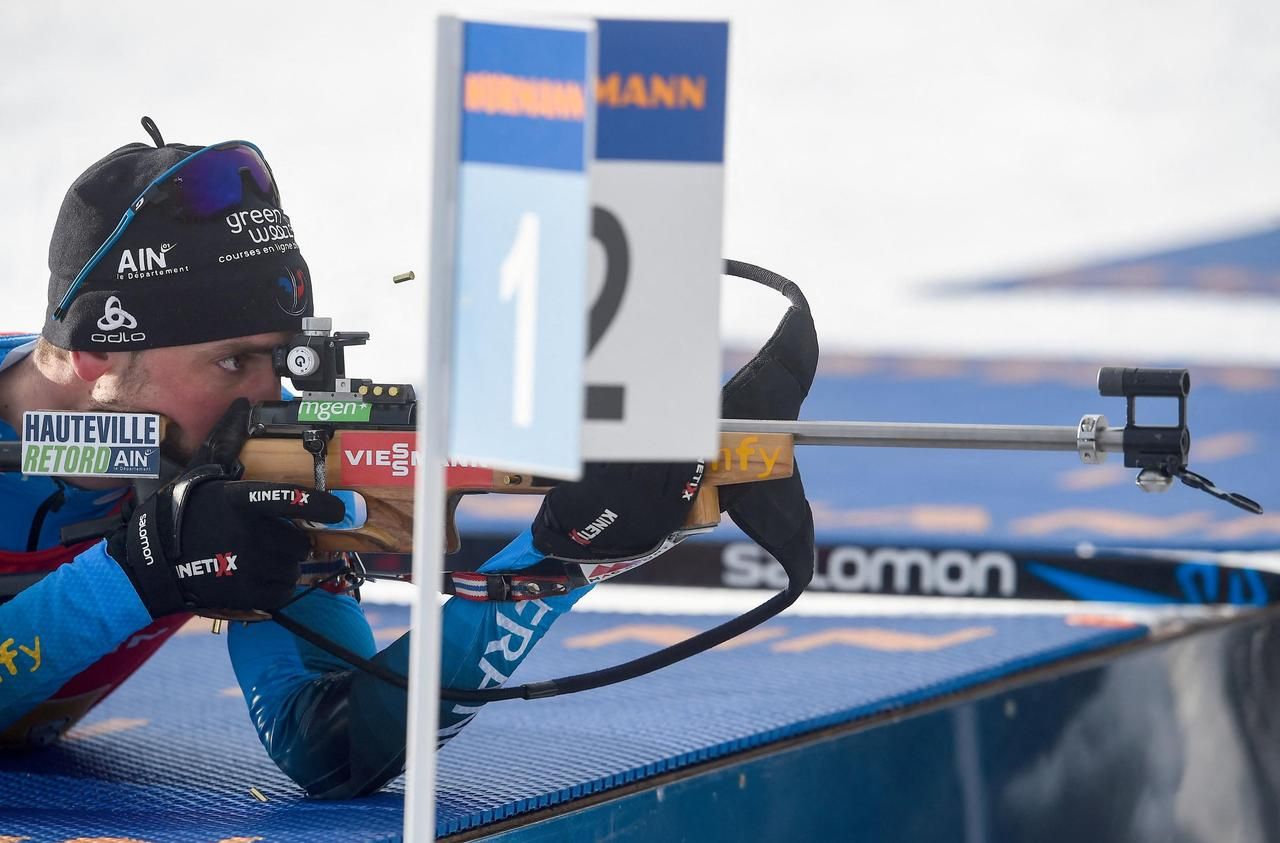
(314, 360)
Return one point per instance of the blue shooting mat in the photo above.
(1020, 500)
(172, 757)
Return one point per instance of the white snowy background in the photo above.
(874, 148)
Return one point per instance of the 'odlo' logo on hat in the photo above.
(113, 318)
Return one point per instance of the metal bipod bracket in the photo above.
(1160, 452)
(1160, 449)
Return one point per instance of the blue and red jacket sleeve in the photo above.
(56, 628)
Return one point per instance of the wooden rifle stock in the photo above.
(743, 458)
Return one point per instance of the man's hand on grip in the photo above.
(210, 541)
(616, 510)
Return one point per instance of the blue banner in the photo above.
(660, 94)
(524, 96)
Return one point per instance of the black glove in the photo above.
(209, 541)
(616, 510)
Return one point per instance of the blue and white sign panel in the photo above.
(657, 187)
(521, 245)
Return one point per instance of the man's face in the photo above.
(192, 385)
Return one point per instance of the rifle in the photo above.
(375, 457)
(764, 496)
(313, 440)
(358, 436)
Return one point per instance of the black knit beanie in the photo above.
(172, 278)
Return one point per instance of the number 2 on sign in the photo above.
(520, 281)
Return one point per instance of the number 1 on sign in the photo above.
(520, 281)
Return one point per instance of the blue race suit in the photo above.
(71, 635)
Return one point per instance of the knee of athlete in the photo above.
(375, 728)
(308, 736)
(340, 737)
(337, 734)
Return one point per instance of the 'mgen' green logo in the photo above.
(334, 411)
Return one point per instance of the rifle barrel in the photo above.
(991, 437)
(988, 437)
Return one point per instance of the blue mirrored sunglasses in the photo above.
(206, 183)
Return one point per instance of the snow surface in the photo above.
(873, 148)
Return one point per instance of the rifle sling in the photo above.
(775, 514)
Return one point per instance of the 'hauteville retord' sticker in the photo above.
(91, 444)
